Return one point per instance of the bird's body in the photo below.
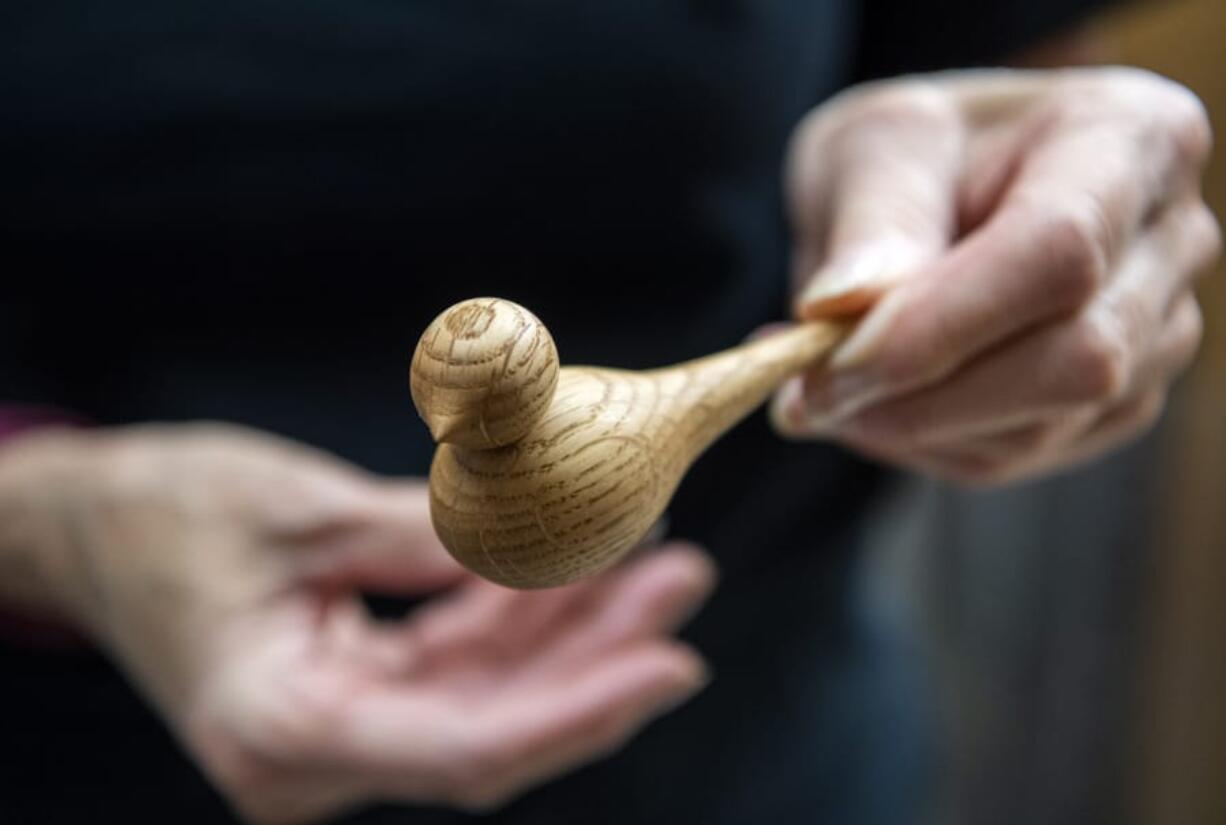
(597, 465)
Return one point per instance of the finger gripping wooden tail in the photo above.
(545, 475)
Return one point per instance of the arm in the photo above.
(32, 575)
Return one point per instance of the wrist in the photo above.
(42, 573)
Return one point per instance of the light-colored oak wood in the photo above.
(546, 475)
(483, 373)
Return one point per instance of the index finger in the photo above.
(1062, 223)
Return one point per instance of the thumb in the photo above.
(388, 545)
(890, 201)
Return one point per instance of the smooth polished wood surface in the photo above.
(544, 475)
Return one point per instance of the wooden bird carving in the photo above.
(546, 474)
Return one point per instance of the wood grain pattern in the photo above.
(544, 475)
(483, 373)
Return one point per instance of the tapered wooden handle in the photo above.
(719, 390)
(545, 475)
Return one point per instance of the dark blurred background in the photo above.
(1074, 626)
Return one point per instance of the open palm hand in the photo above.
(222, 568)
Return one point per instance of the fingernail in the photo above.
(869, 336)
(838, 398)
(795, 412)
(854, 282)
(788, 413)
(850, 383)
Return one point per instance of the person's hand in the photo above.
(1026, 246)
(221, 566)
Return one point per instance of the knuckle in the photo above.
(1195, 332)
(914, 100)
(1150, 410)
(1132, 419)
(1029, 441)
(1131, 82)
(1189, 333)
(912, 96)
(1206, 234)
(1077, 237)
(1076, 104)
(1188, 123)
(1089, 97)
(909, 103)
(1169, 111)
(1132, 318)
(1100, 358)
